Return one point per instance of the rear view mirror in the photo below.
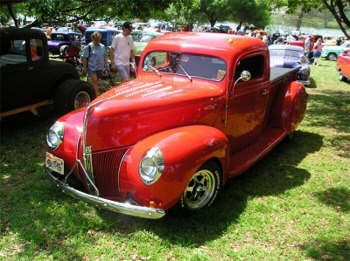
(245, 76)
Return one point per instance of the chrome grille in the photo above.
(106, 167)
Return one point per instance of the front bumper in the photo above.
(115, 206)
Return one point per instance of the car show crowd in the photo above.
(124, 42)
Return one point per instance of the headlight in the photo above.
(151, 166)
(55, 135)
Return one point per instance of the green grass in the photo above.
(292, 205)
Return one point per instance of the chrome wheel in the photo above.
(81, 99)
(202, 189)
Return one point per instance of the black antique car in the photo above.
(30, 80)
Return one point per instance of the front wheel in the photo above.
(332, 57)
(202, 188)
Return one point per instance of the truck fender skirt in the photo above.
(289, 110)
(184, 150)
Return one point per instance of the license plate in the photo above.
(54, 163)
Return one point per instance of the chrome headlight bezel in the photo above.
(151, 166)
(55, 135)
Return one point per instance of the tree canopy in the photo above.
(190, 11)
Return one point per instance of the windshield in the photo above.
(190, 65)
(285, 52)
(59, 37)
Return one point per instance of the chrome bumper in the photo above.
(305, 83)
(115, 206)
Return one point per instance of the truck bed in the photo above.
(278, 73)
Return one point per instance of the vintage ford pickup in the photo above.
(203, 108)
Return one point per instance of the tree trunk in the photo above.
(299, 20)
(332, 9)
(239, 26)
(212, 22)
(9, 7)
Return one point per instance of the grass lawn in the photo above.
(292, 205)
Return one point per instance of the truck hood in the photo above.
(135, 110)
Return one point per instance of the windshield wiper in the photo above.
(182, 68)
(155, 70)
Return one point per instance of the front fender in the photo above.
(184, 149)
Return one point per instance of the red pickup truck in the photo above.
(203, 108)
(343, 65)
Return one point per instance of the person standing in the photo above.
(94, 59)
(317, 50)
(122, 50)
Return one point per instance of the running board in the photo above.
(244, 159)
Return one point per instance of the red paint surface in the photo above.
(343, 64)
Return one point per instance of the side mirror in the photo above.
(245, 76)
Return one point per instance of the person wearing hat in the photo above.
(121, 52)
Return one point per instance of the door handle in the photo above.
(265, 92)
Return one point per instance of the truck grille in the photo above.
(106, 167)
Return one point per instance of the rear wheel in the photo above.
(73, 94)
(332, 56)
(202, 189)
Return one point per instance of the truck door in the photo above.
(248, 101)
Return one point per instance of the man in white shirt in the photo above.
(121, 52)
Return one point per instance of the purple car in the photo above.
(60, 41)
(290, 56)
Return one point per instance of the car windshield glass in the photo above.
(285, 52)
(60, 37)
(146, 38)
(189, 65)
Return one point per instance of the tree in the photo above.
(190, 11)
(340, 9)
(58, 11)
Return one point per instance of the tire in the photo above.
(63, 50)
(73, 94)
(342, 78)
(202, 189)
(332, 57)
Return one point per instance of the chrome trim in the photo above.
(126, 208)
(90, 184)
(120, 166)
(86, 162)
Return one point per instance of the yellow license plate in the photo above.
(54, 163)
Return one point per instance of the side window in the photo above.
(255, 65)
(154, 60)
(36, 49)
(13, 52)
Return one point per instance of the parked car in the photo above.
(141, 39)
(30, 80)
(61, 41)
(343, 65)
(332, 52)
(289, 56)
(203, 108)
(107, 35)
